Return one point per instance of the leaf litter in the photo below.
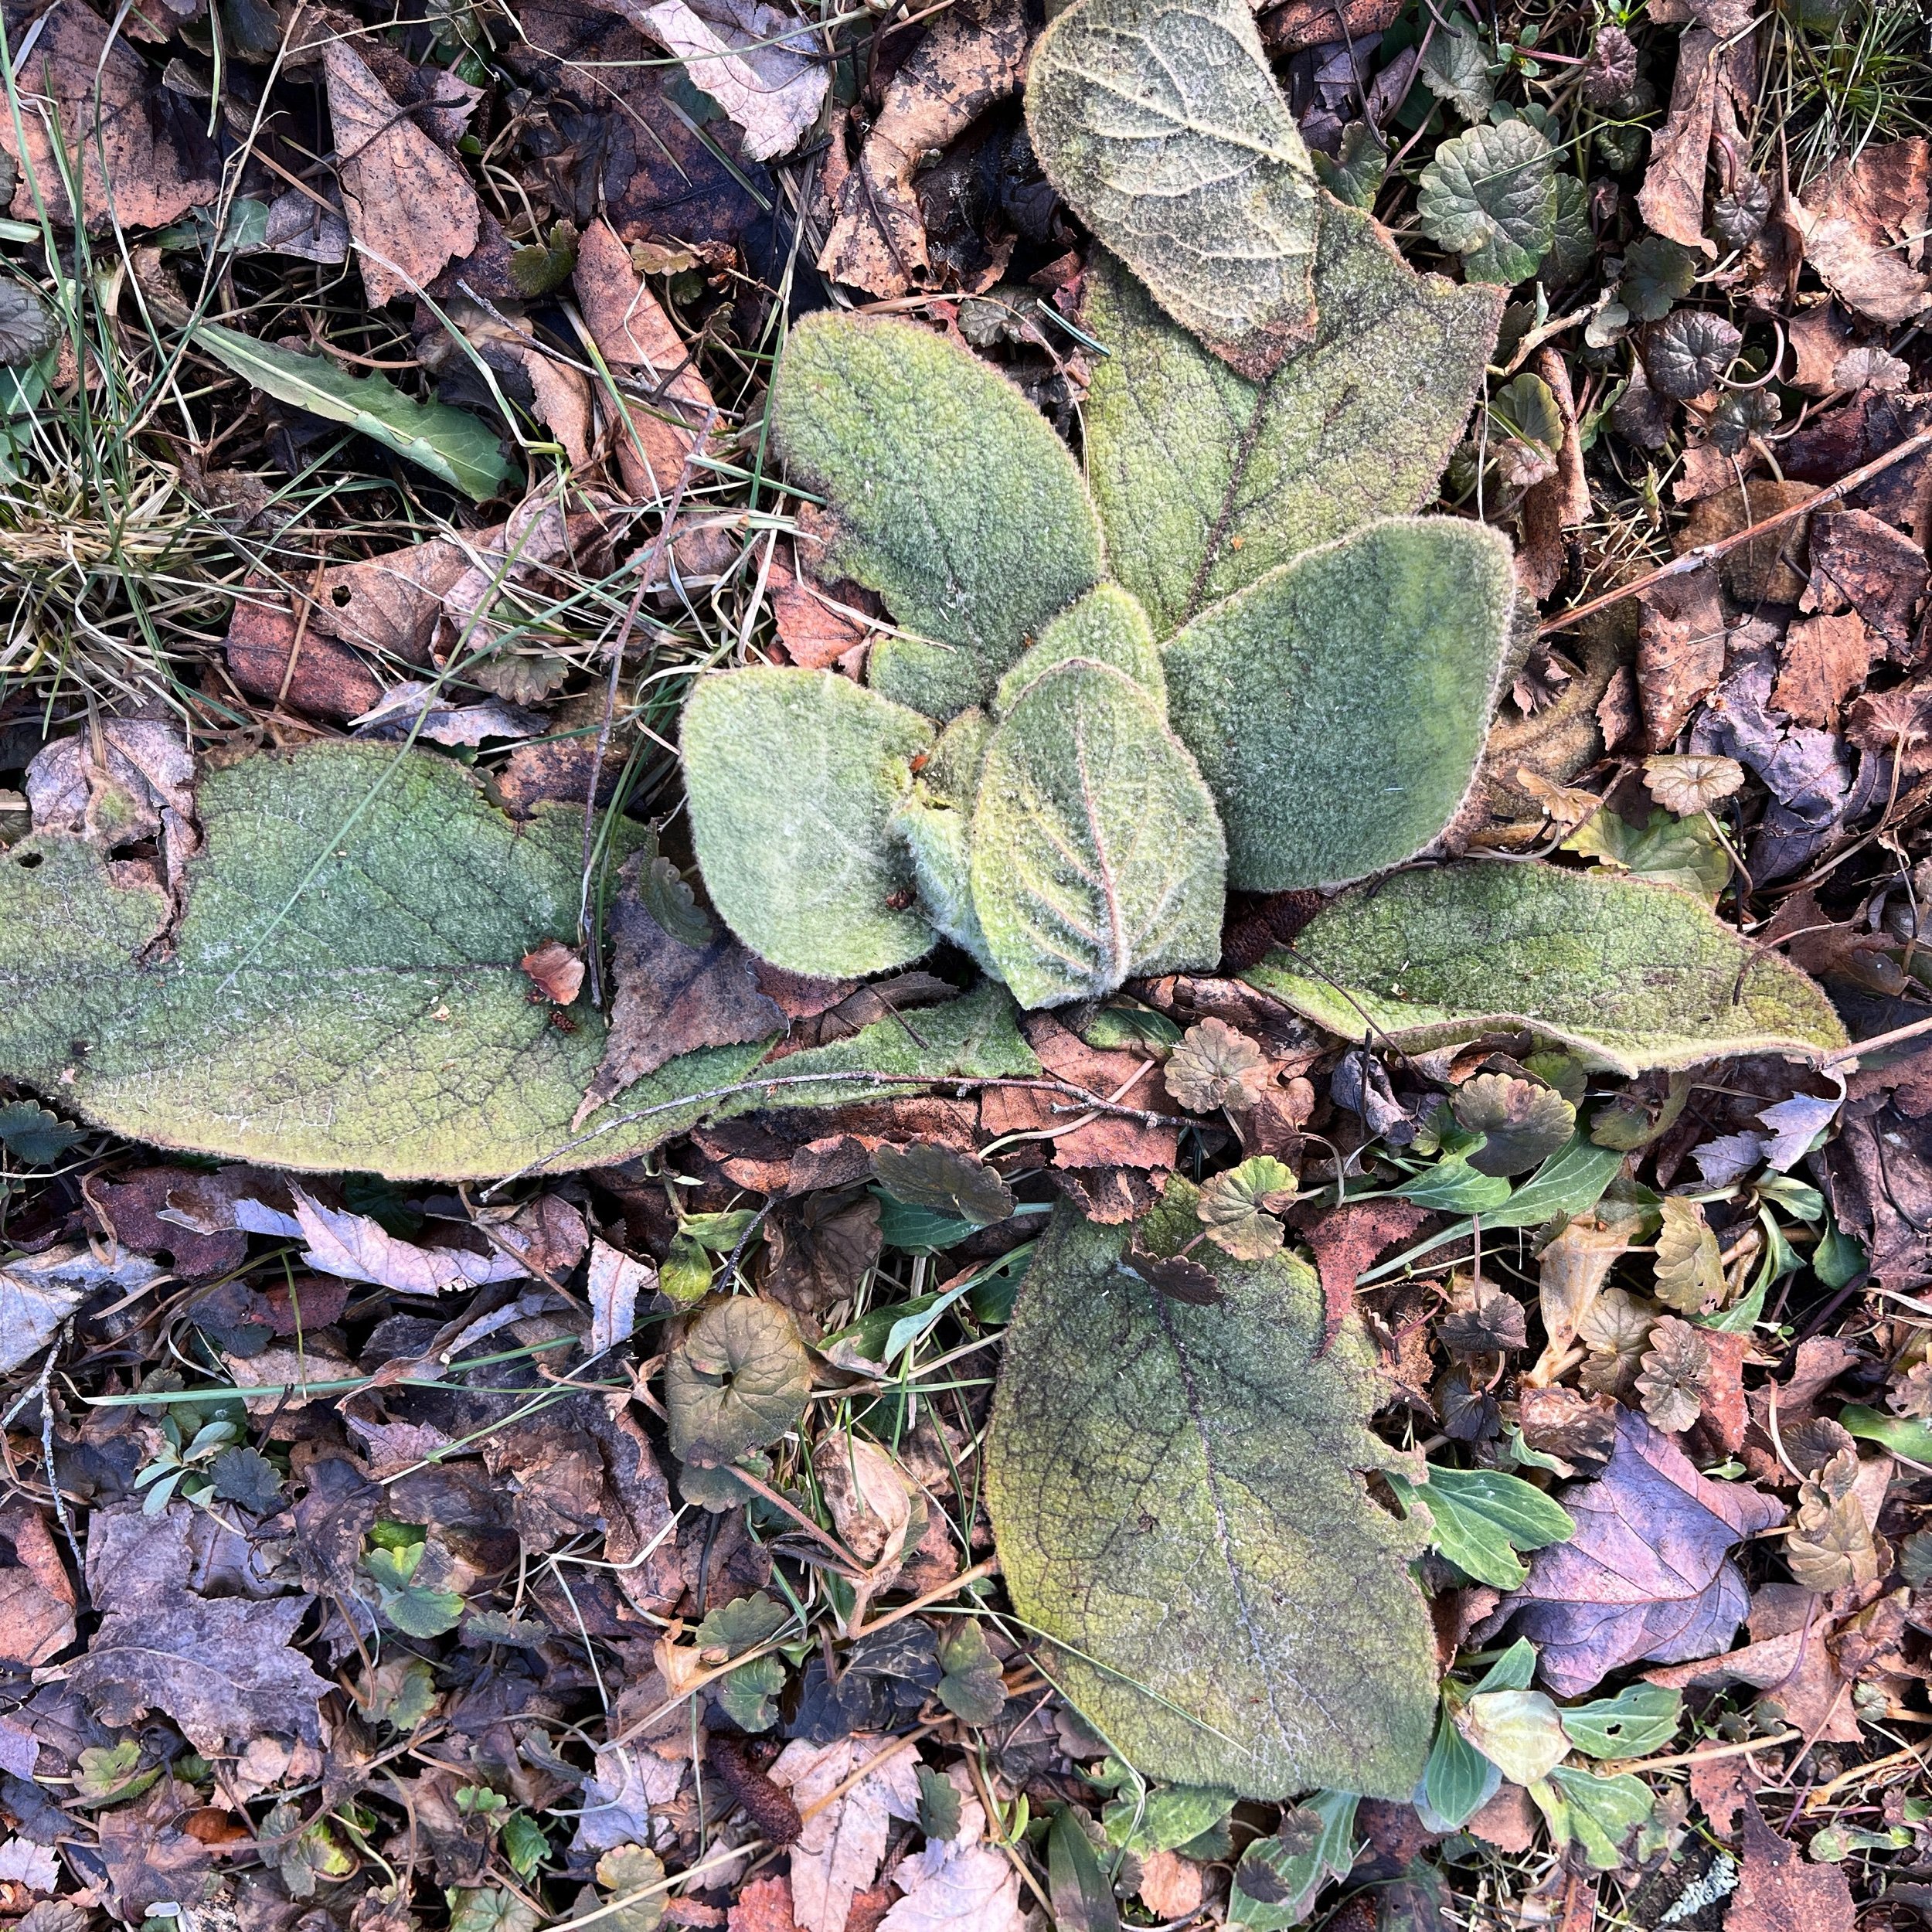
(402, 1546)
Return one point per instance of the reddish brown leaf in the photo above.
(1680, 652)
(556, 971)
(1825, 660)
(1770, 567)
(818, 624)
(1108, 1139)
(1719, 1785)
(37, 1594)
(1864, 222)
(328, 680)
(1722, 1412)
(1780, 1890)
(1346, 1240)
(126, 1206)
(1861, 563)
(763, 1906)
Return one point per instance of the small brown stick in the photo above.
(1710, 552)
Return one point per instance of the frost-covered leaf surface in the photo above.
(1205, 480)
(792, 777)
(1337, 707)
(1161, 123)
(955, 499)
(1629, 974)
(1096, 852)
(1176, 1506)
(344, 987)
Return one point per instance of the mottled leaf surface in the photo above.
(792, 777)
(954, 499)
(1162, 126)
(344, 989)
(1337, 707)
(1176, 1506)
(1204, 480)
(1629, 974)
(1096, 852)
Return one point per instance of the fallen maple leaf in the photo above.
(1647, 1574)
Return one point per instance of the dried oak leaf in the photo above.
(838, 1852)
(410, 205)
(1780, 1890)
(1216, 1066)
(222, 1667)
(1647, 1574)
(1676, 1371)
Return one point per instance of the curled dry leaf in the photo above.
(756, 62)
(556, 971)
(1830, 1546)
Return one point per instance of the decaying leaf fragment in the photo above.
(753, 60)
(1174, 1500)
(1162, 126)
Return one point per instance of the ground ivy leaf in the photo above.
(1162, 126)
(1337, 707)
(1628, 974)
(1355, 175)
(1204, 480)
(1455, 68)
(1177, 1511)
(1095, 851)
(1490, 195)
(343, 990)
(952, 496)
(794, 777)
(738, 1381)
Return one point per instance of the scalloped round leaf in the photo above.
(1096, 851)
(1204, 480)
(27, 326)
(1160, 122)
(794, 777)
(1177, 1510)
(738, 1380)
(1337, 706)
(1523, 1123)
(1628, 974)
(1490, 195)
(1686, 352)
(952, 496)
(1107, 626)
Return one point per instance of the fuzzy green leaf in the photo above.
(1096, 852)
(1160, 122)
(1176, 1508)
(1337, 706)
(1629, 974)
(449, 443)
(794, 777)
(1107, 626)
(344, 989)
(954, 499)
(1204, 480)
(1490, 195)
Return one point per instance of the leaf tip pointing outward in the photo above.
(1177, 1507)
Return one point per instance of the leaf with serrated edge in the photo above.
(1096, 852)
(794, 777)
(1161, 123)
(1629, 974)
(954, 499)
(1490, 195)
(1177, 1512)
(367, 1011)
(449, 443)
(1337, 706)
(1204, 480)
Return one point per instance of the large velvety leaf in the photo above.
(955, 500)
(450, 443)
(1160, 122)
(1176, 1507)
(1629, 974)
(1204, 480)
(1096, 852)
(1337, 706)
(344, 989)
(792, 777)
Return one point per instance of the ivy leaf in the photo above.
(537, 269)
(1630, 975)
(1216, 1066)
(1162, 126)
(951, 496)
(1490, 196)
(748, 1696)
(1361, 672)
(794, 777)
(1687, 352)
(1658, 274)
(1096, 851)
(1238, 1208)
(743, 1624)
(449, 443)
(1455, 68)
(1204, 480)
(1175, 1503)
(738, 1380)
